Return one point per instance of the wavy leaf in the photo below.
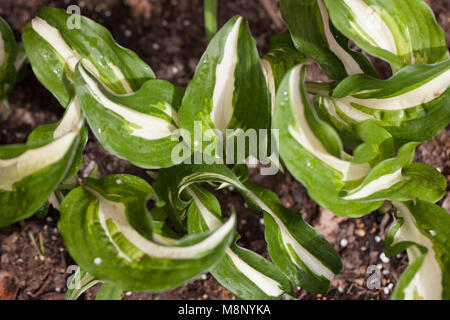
(413, 105)
(108, 231)
(54, 49)
(399, 32)
(38, 165)
(423, 230)
(303, 255)
(315, 37)
(228, 90)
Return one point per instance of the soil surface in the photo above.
(169, 36)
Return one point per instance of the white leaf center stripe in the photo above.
(54, 38)
(306, 137)
(270, 80)
(266, 284)
(70, 121)
(423, 94)
(33, 160)
(308, 259)
(428, 280)
(222, 110)
(382, 183)
(351, 66)
(370, 26)
(144, 126)
(115, 211)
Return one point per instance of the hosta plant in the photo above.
(353, 149)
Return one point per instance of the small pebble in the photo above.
(386, 290)
(360, 233)
(261, 221)
(340, 289)
(390, 286)
(49, 219)
(385, 272)
(363, 248)
(128, 33)
(343, 243)
(377, 238)
(204, 277)
(383, 258)
(58, 289)
(205, 296)
(128, 293)
(243, 221)
(155, 46)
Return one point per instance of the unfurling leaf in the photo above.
(315, 37)
(228, 91)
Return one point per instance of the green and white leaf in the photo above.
(30, 172)
(228, 91)
(140, 127)
(55, 48)
(423, 229)
(68, 123)
(246, 274)
(172, 183)
(312, 150)
(346, 185)
(413, 105)
(399, 32)
(281, 57)
(315, 37)
(108, 231)
(303, 255)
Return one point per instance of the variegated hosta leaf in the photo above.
(172, 182)
(345, 185)
(29, 173)
(413, 105)
(108, 231)
(229, 89)
(400, 32)
(303, 255)
(140, 127)
(423, 229)
(245, 273)
(8, 53)
(315, 37)
(54, 48)
(81, 281)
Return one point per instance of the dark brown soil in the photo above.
(169, 35)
